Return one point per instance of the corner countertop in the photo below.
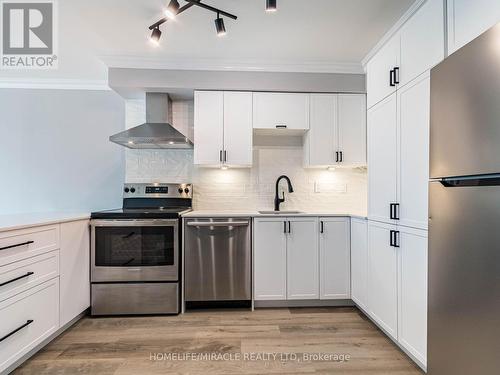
(212, 213)
(27, 220)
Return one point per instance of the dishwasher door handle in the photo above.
(218, 224)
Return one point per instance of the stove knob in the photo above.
(126, 190)
(180, 191)
(132, 190)
(186, 190)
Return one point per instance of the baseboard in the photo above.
(304, 303)
(40, 346)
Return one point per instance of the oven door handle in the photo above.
(97, 223)
(218, 223)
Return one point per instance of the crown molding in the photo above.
(134, 62)
(392, 31)
(53, 84)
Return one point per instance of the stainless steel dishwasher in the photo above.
(217, 259)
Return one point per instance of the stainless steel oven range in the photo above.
(135, 251)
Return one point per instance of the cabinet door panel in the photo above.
(359, 262)
(382, 277)
(321, 139)
(412, 313)
(414, 120)
(238, 128)
(382, 159)
(352, 129)
(335, 278)
(378, 71)
(208, 127)
(422, 41)
(302, 259)
(269, 259)
(469, 19)
(272, 110)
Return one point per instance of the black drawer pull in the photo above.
(28, 322)
(19, 244)
(322, 230)
(280, 126)
(17, 278)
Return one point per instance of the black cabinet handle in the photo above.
(391, 238)
(17, 278)
(396, 211)
(220, 156)
(394, 238)
(396, 75)
(341, 156)
(19, 244)
(280, 126)
(28, 322)
(289, 227)
(225, 156)
(322, 228)
(284, 227)
(391, 210)
(391, 78)
(336, 156)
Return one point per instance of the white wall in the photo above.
(55, 153)
(343, 190)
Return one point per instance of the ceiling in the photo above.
(330, 35)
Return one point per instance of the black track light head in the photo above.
(271, 6)
(219, 26)
(155, 36)
(172, 9)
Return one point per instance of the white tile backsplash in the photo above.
(342, 190)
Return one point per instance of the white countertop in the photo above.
(19, 221)
(211, 213)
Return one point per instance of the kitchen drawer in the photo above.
(27, 273)
(27, 319)
(25, 243)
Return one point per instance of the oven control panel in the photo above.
(158, 190)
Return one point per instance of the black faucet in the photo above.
(277, 199)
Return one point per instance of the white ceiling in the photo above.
(301, 33)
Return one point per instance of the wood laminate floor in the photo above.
(122, 346)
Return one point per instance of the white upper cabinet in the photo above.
(338, 131)
(468, 19)
(359, 262)
(280, 111)
(238, 128)
(270, 265)
(413, 150)
(335, 260)
(352, 129)
(382, 159)
(422, 41)
(223, 128)
(380, 81)
(208, 127)
(320, 146)
(383, 277)
(302, 258)
(412, 292)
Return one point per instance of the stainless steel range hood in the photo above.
(157, 132)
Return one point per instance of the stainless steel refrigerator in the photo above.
(464, 212)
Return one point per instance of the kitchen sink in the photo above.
(280, 212)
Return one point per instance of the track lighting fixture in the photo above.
(271, 6)
(155, 36)
(172, 9)
(219, 26)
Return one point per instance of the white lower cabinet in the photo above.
(270, 259)
(75, 262)
(412, 292)
(334, 249)
(359, 262)
(27, 319)
(302, 258)
(383, 277)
